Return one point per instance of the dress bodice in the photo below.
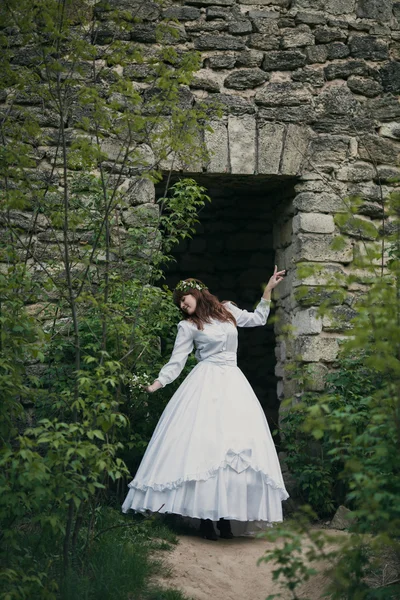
(216, 343)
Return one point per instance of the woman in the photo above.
(211, 455)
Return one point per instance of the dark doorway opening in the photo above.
(233, 253)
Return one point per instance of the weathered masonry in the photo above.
(310, 117)
(310, 92)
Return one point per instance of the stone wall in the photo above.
(308, 89)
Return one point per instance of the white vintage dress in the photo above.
(211, 454)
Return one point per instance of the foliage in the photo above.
(355, 426)
(318, 465)
(356, 567)
(88, 120)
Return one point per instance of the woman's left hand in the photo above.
(275, 279)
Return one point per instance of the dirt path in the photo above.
(227, 570)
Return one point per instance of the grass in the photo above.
(121, 562)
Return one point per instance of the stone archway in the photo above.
(234, 252)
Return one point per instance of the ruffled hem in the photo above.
(236, 496)
(204, 476)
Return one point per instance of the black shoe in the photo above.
(207, 530)
(225, 529)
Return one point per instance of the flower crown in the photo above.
(183, 286)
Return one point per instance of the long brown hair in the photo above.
(208, 306)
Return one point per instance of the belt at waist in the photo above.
(223, 358)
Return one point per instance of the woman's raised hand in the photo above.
(273, 282)
(276, 278)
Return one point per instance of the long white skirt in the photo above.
(211, 454)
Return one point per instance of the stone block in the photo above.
(205, 27)
(336, 100)
(343, 518)
(270, 146)
(282, 234)
(338, 319)
(283, 94)
(318, 248)
(388, 173)
(263, 41)
(306, 322)
(283, 3)
(221, 61)
(313, 223)
(366, 191)
(303, 115)
(217, 147)
(315, 182)
(27, 221)
(310, 18)
(297, 38)
(233, 105)
(312, 75)
(375, 149)
(240, 27)
(333, 7)
(211, 2)
(367, 254)
(145, 215)
(286, 22)
(364, 85)
(137, 191)
(287, 388)
(368, 47)
(384, 109)
(242, 144)
(346, 69)
(316, 374)
(266, 26)
(339, 7)
(295, 150)
(286, 60)
(320, 274)
(326, 35)
(378, 10)
(314, 348)
(371, 209)
(337, 50)
(316, 54)
(219, 12)
(244, 79)
(263, 14)
(218, 42)
(360, 227)
(390, 77)
(285, 288)
(316, 296)
(249, 58)
(182, 13)
(356, 172)
(329, 149)
(204, 82)
(285, 258)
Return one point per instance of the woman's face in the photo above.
(188, 304)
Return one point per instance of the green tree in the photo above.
(90, 117)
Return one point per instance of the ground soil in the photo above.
(228, 570)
